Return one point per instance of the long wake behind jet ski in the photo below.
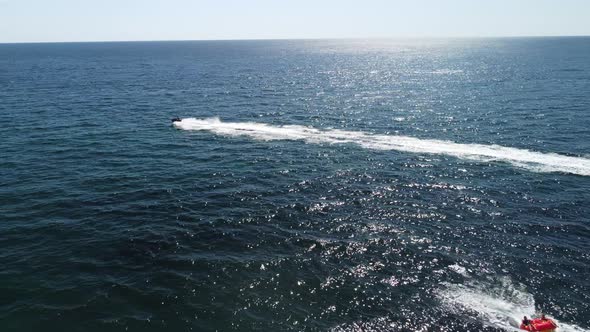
(523, 158)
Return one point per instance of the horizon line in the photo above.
(293, 39)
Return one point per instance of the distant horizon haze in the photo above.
(27, 21)
(426, 38)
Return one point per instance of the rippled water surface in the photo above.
(432, 185)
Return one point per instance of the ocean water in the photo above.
(344, 185)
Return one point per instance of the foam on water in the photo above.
(531, 160)
(501, 306)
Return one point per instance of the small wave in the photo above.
(443, 71)
(531, 160)
(501, 305)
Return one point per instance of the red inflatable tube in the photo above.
(539, 325)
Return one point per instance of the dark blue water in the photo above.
(114, 220)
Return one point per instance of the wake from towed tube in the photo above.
(501, 307)
(531, 160)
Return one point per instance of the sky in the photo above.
(122, 20)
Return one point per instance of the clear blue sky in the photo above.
(97, 20)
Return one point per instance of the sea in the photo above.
(309, 185)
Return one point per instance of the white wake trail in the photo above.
(500, 306)
(531, 160)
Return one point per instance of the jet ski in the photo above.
(540, 324)
(176, 119)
